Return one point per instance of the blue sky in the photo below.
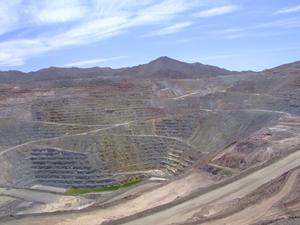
(234, 34)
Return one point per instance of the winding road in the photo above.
(179, 213)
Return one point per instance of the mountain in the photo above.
(162, 67)
(10, 76)
(289, 68)
(165, 67)
(54, 73)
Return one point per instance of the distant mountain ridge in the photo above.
(163, 67)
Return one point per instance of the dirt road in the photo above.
(238, 189)
(253, 213)
(179, 213)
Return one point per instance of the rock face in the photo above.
(101, 127)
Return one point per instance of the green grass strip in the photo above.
(102, 189)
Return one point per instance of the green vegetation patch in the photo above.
(112, 188)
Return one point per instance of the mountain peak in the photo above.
(166, 67)
(164, 59)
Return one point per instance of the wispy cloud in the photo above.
(163, 11)
(91, 62)
(271, 28)
(58, 11)
(217, 11)
(8, 16)
(30, 28)
(87, 22)
(289, 10)
(14, 52)
(171, 29)
(231, 33)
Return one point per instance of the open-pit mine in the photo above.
(161, 143)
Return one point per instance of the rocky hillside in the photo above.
(162, 67)
(165, 67)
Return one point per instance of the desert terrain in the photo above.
(163, 143)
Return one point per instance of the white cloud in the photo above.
(232, 33)
(7, 60)
(289, 10)
(171, 29)
(18, 14)
(217, 11)
(272, 28)
(91, 31)
(92, 21)
(249, 32)
(91, 62)
(163, 11)
(14, 52)
(56, 11)
(8, 16)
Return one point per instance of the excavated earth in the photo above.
(212, 149)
